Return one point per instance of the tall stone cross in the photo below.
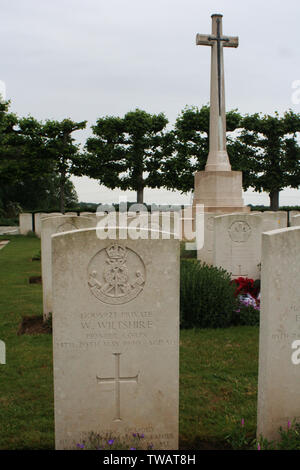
(217, 158)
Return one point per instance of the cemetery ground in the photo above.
(218, 368)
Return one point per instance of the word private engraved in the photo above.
(239, 231)
(116, 274)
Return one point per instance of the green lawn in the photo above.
(218, 368)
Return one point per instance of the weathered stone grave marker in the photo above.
(25, 223)
(50, 226)
(279, 343)
(237, 244)
(295, 221)
(115, 338)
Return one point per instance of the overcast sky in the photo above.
(89, 58)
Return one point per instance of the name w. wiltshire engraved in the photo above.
(117, 325)
(116, 274)
(117, 380)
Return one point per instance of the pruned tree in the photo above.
(128, 152)
(191, 146)
(268, 153)
(61, 149)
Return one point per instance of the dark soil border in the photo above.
(33, 325)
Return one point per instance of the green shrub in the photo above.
(12, 222)
(246, 316)
(206, 296)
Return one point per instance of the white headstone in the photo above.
(38, 220)
(237, 244)
(25, 223)
(274, 220)
(206, 254)
(295, 221)
(279, 343)
(115, 338)
(291, 215)
(50, 226)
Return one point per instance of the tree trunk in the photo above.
(274, 200)
(140, 195)
(62, 192)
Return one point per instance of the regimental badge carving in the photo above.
(116, 274)
(239, 231)
(66, 227)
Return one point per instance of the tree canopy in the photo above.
(268, 153)
(191, 146)
(129, 152)
(138, 151)
(28, 172)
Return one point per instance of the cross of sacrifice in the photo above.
(117, 380)
(217, 158)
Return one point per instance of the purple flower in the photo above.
(134, 434)
(289, 424)
(110, 442)
(242, 422)
(141, 436)
(132, 448)
(80, 446)
(258, 446)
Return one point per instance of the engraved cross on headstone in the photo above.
(240, 272)
(217, 158)
(117, 380)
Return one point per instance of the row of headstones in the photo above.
(233, 241)
(115, 334)
(57, 223)
(31, 222)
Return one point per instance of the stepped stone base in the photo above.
(219, 191)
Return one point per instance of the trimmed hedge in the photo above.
(5, 222)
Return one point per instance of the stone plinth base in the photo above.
(219, 191)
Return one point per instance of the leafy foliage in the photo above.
(128, 153)
(61, 150)
(28, 164)
(268, 153)
(191, 146)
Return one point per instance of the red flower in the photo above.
(244, 285)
